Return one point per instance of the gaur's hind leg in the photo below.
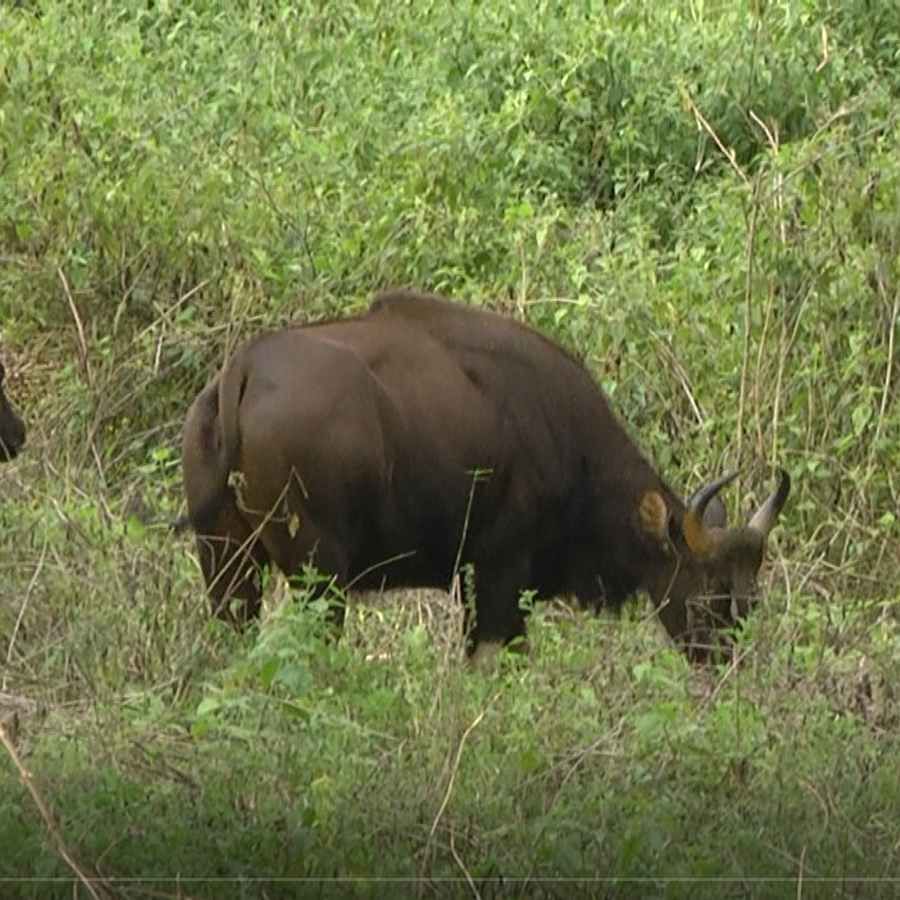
(498, 616)
(233, 561)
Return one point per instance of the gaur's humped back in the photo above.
(392, 447)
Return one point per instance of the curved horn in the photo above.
(715, 515)
(701, 498)
(700, 539)
(764, 518)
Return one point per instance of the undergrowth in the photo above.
(701, 201)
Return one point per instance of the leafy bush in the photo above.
(700, 200)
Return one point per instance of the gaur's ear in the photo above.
(715, 514)
(653, 515)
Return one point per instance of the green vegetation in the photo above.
(702, 199)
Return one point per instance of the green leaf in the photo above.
(861, 416)
(209, 705)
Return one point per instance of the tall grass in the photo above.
(702, 201)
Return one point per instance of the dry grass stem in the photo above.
(92, 883)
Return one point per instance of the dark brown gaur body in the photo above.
(392, 447)
(12, 429)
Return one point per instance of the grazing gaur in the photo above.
(395, 446)
(12, 429)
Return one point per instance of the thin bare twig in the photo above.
(165, 314)
(397, 557)
(771, 136)
(826, 56)
(761, 355)
(85, 364)
(581, 755)
(732, 668)
(748, 318)
(82, 340)
(450, 783)
(24, 606)
(477, 475)
(465, 871)
(802, 861)
(90, 881)
(682, 377)
(459, 750)
(727, 153)
(884, 125)
(889, 369)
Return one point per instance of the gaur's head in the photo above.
(709, 583)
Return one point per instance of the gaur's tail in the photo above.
(232, 384)
(213, 428)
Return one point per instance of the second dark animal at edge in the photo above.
(12, 428)
(393, 447)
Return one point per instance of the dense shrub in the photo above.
(701, 200)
